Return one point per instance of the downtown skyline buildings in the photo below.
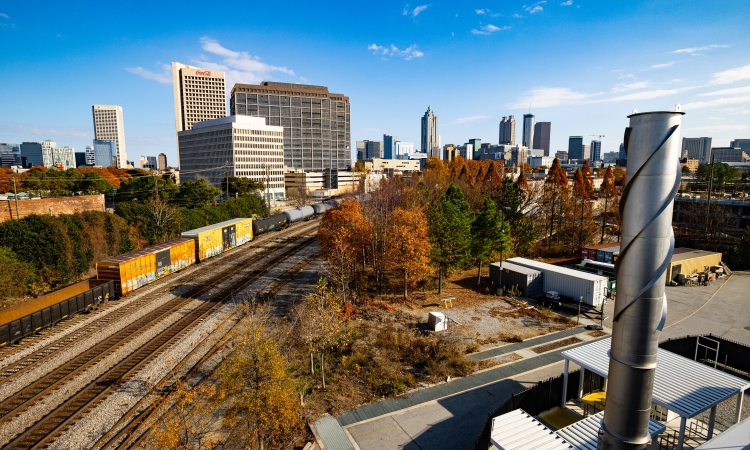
(109, 125)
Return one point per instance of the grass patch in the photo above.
(557, 344)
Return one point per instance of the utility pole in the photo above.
(15, 195)
(226, 176)
(708, 195)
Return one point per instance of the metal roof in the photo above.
(735, 437)
(564, 270)
(681, 385)
(517, 430)
(584, 433)
(688, 253)
(519, 269)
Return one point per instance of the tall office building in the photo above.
(361, 149)
(109, 125)
(404, 149)
(507, 131)
(575, 148)
(32, 153)
(697, 148)
(621, 153)
(162, 161)
(430, 138)
(528, 130)
(744, 144)
(729, 154)
(596, 151)
(316, 122)
(374, 149)
(148, 162)
(104, 153)
(541, 136)
(199, 94)
(389, 146)
(241, 146)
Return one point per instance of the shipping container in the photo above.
(569, 282)
(495, 269)
(601, 253)
(528, 282)
(31, 316)
(136, 269)
(215, 239)
(275, 222)
(590, 251)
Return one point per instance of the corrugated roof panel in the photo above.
(211, 227)
(681, 385)
(584, 433)
(517, 430)
(519, 269)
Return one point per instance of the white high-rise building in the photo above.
(596, 151)
(109, 126)
(404, 149)
(507, 131)
(199, 94)
(242, 146)
(52, 155)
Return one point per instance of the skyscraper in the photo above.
(104, 153)
(404, 149)
(374, 149)
(622, 154)
(528, 130)
(316, 122)
(430, 139)
(596, 151)
(575, 147)
(109, 125)
(32, 153)
(162, 161)
(542, 136)
(507, 131)
(476, 145)
(697, 148)
(389, 146)
(199, 94)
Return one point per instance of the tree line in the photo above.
(463, 213)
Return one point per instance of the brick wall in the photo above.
(54, 206)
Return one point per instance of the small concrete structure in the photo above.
(437, 321)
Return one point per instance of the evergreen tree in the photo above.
(489, 233)
(450, 232)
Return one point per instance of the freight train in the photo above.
(119, 275)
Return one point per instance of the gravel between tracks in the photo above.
(85, 432)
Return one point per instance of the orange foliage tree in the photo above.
(344, 235)
(408, 246)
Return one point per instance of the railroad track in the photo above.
(40, 356)
(131, 430)
(64, 415)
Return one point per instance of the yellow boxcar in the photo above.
(215, 239)
(136, 269)
(244, 229)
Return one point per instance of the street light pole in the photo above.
(580, 300)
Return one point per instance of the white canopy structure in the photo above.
(681, 385)
(517, 430)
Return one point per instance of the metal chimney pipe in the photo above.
(652, 144)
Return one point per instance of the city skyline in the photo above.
(587, 87)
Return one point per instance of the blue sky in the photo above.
(583, 65)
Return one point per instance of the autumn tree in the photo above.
(489, 233)
(450, 232)
(300, 196)
(581, 226)
(344, 235)
(189, 423)
(610, 212)
(378, 210)
(262, 410)
(408, 246)
(555, 196)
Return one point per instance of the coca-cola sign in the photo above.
(205, 73)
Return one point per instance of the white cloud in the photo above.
(488, 29)
(544, 97)
(468, 119)
(733, 91)
(415, 12)
(662, 66)
(644, 95)
(240, 67)
(627, 75)
(622, 87)
(718, 102)
(567, 3)
(408, 53)
(715, 128)
(732, 75)
(695, 51)
(517, 16)
(165, 76)
(535, 8)
(482, 11)
(4, 16)
(46, 132)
